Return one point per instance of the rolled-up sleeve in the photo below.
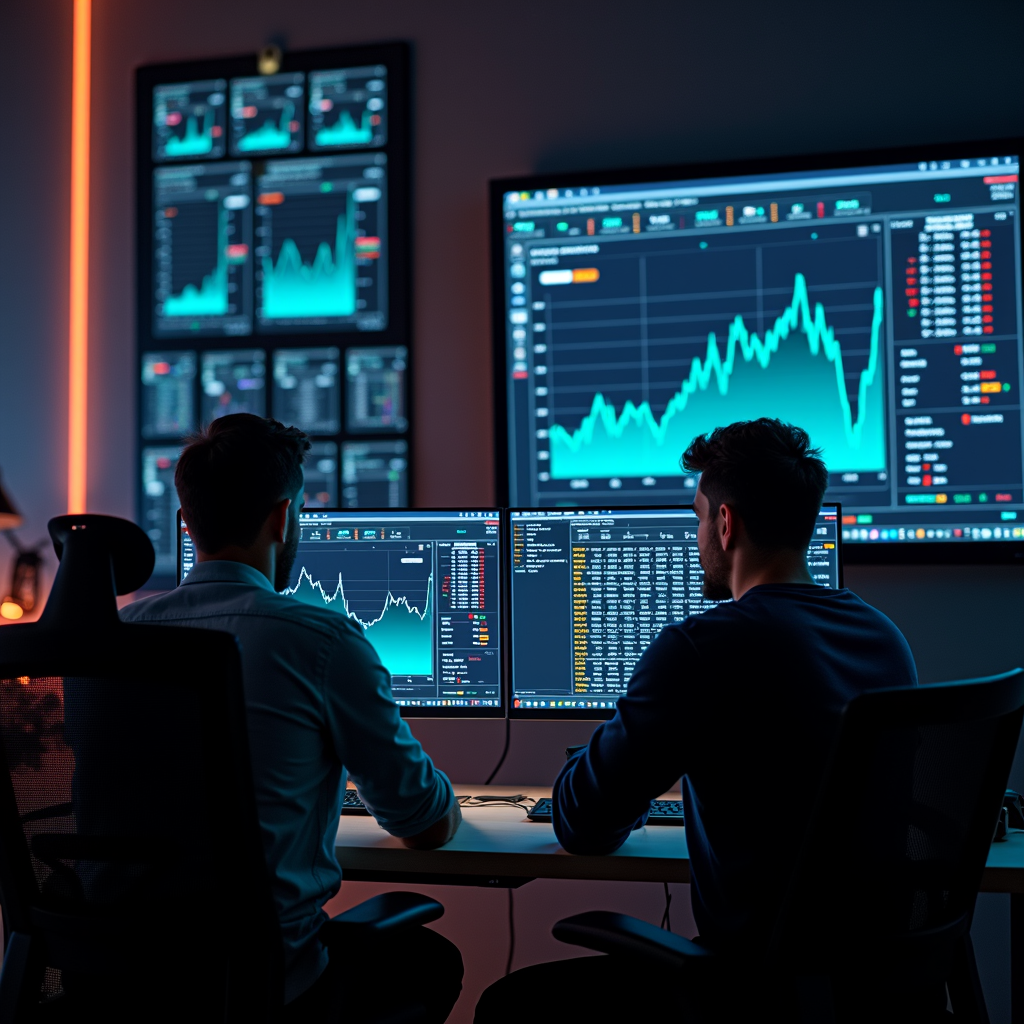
(396, 779)
(604, 792)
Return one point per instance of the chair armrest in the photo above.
(608, 932)
(382, 915)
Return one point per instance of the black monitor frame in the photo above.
(396, 56)
(889, 553)
(438, 713)
(589, 714)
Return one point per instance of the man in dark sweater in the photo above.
(742, 701)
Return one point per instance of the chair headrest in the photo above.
(129, 549)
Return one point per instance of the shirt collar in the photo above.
(223, 571)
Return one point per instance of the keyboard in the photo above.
(663, 812)
(351, 804)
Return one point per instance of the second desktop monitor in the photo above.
(591, 588)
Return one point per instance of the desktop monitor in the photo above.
(424, 584)
(872, 298)
(590, 588)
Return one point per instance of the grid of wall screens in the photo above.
(273, 268)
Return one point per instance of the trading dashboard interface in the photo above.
(202, 240)
(425, 586)
(347, 108)
(189, 120)
(266, 114)
(878, 307)
(591, 588)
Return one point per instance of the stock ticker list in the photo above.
(590, 591)
(627, 584)
(958, 363)
(465, 639)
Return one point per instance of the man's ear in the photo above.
(727, 525)
(277, 521)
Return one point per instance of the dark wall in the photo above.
(35, 206)
(500, 89)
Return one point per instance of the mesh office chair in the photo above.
(131, 862)
(878, 911)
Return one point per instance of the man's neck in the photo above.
(262, 559)
(752, 569)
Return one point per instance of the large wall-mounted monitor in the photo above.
(273, 267)
(426, 587)
(589, 589)
(874, 299)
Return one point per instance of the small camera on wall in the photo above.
(268, 60)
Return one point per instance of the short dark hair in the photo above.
(230, 475)
(768, 471)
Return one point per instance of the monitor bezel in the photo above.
(859, 553)
(598, 715)
(439, 713)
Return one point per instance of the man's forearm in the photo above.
(442, 831)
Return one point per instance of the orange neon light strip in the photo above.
(78, 334)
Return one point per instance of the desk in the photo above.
(497, 846)
(1004, 872)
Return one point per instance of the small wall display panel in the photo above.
(872, 298)
(273, 268)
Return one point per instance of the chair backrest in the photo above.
(130, 852)
(894, 853)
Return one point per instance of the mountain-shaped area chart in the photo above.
(396, 615)
(795, 372)
(324, 287)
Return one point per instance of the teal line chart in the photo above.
(401, 631)
(268, 135)
(210, 298)
(345, 131)
(194, 142)
(800, 380)
(326, 287)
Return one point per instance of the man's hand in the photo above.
(442, 831)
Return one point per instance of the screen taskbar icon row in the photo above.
(575, 704)
(866, 527)
(454, 702)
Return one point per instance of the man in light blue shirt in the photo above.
(318, 705)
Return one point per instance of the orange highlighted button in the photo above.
(584, 275)
(991, 387)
